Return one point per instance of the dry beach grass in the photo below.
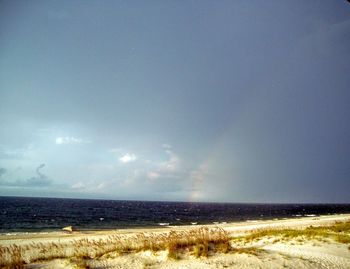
(203, 247)
(175, 241)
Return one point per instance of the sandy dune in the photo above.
(267, 252)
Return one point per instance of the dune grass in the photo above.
(197, 240)
(200, 242)
(339, 232)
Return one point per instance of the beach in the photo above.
(304, 242)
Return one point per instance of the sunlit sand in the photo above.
(308, 242)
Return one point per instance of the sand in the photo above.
(269, 252)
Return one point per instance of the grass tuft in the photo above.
(200, 250)
(201, 241)
(339, 232)
(83, 250)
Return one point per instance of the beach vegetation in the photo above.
(200, 250)
(248, 250)
(86, 249)
(339, 232)
(200, 242)
(197, 239)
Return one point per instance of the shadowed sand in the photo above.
(309, 242)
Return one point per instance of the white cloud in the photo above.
(172, 163)
(128, 158)
(78, 185)
(101, 186)
(70, 140)
(153, 175)
(165, 169)
(167, 146)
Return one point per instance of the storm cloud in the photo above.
(234, 101)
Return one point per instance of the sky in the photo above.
(213, 101)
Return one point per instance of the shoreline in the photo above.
(237, 226)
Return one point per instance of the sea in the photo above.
(24, 214)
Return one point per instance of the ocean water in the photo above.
(20, 214)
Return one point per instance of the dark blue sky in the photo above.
(238, 101)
